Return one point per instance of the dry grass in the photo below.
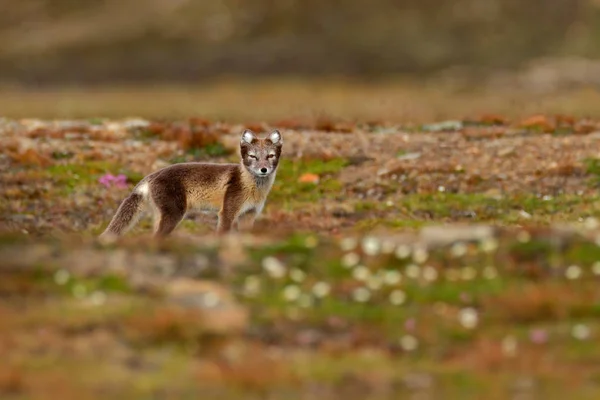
(288, 100)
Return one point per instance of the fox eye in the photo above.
(270, 156)
(253, 156)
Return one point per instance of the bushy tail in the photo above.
(127, 215)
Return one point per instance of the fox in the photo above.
(236, 192)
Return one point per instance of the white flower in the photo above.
(591, 223)
(274, 267)
(251, 286)
(596, 268)
(62, 276)
(468, 317)
(468, 273)
(305, 300)
(371, 246)
(458, 249)
(79, 291)
(581, 332)
(348, 244)
(210, 299)
(311, 242)
(397, 297)
(452, 274)
(430, 274)
(409, 343)
(441, 189)
(412, 271)
(291, 293)
(297, 275)
(350, 260)
(392, 277)
(403, 251)
(321, 289)
(98, 298)
(489, 245)
(361, 295)
(361, 273)
(523, 236)
(420, 255)
(387, 247)
(490, 272)
(509, 346)
(374, 282)
(573, 272)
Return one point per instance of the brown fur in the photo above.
(232, 190)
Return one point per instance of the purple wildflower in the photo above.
(538, 336)
(119, 181)
(410, 324)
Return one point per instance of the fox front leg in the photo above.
(229, 212)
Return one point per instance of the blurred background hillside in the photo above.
(58, 41)
(535, 44)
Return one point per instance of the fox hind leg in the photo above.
(167, 221)
(169, 212)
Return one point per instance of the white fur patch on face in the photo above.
(248, 136)
(275, 137)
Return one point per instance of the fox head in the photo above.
(261, 156)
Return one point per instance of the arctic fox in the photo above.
(234, 191)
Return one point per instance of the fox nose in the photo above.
(263, 170)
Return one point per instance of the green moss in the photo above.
(288, 189)
(585, 253)
(71, 176)
(592, 166)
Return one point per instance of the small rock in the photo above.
(493, 194)
(217, 308)
(444, 126)
(418, 381)
(409, 156)
(524, 214)
(340, 210)
(159, 164)
(506, 151)
(438, 236)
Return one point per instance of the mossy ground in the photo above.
(342, 302)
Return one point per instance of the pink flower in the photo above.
(410, 324)
(538, 336)
(119, 181)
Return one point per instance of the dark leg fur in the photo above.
(168, 220)
(171, 204)
(126, 215)
(231, 204)
(228, 213)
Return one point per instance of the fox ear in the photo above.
(248, 136)
(275, 137)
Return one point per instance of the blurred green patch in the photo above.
(479, 207)
(202, 153)
(289, 190)
(72, 176)
(592, 166)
